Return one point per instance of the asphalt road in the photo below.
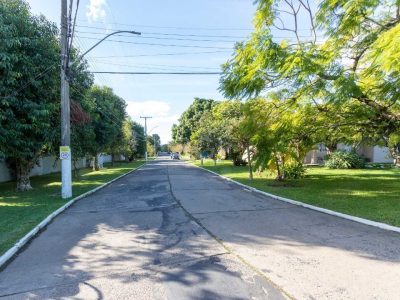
(131, 240)
(174, 231)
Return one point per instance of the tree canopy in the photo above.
(30, 98)
(347, 66)
(29, 85)
(189, 120)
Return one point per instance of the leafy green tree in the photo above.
(164, 148)
(350, 60)
(281, 132)
(229, 115)
(153, 144)
(209, 136)
(82, 108)
(29, 86)
(107, 121)
(126, 145)
(176, 147)
(156, 142)
(138, 140)
(189, 120)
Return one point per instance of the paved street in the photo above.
(133, 240)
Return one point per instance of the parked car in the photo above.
(175, 155)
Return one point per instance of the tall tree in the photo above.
(82, 108)
(29, 85)
(281, 132)
(107, 119)
(209, 136)
(189, 120)
(139, 140)
(229, 116)
(349, 60)
(156, 142)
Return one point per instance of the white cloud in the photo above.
(162, 118)
(96, 10)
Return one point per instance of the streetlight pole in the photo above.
(155, 147)
(65, 147)
(145, 135)
(154, 139)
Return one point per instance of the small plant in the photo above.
(295, 171)
(345, 160)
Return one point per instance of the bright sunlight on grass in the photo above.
(368, 193)
(21, 211)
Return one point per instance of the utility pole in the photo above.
(65, 149)
(66, 43)
(145, 135)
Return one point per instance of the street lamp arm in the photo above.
(107, 36)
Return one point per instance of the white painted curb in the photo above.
(316, 208)
(24, 240)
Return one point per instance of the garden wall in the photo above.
(47, 165)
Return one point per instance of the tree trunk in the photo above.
(249, 162)
(23, 168)
(112, 159)
(395, 152)
(98, 162)
(202, 160)
(76, 170)
(215, 162)
(331, 147)
(397, 161)
(96, 165)
(279, 177)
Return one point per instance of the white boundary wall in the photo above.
(47, 165)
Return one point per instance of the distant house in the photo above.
(374, 154)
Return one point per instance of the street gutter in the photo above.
(13, 251)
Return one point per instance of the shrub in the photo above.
(238, 161)
(345, 160)
(237, 158)
(294, 171)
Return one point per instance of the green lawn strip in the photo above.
(20, 212)
(373, 194)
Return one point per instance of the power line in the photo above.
(73, 26)
(163, 54)
(181, 28)
(166, 34)
(158, 73)
(155, 65)
(161, 45)
(88, 59)
(93, 65)
(109, 116)
(193, 35)
(164, 38)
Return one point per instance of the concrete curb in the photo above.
(6, 257)
(312, 207)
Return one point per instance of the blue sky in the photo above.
(190, 35)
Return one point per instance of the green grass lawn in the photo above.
(21, 211)
(368, 193)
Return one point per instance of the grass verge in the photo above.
(20, 212)
(373, 194)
